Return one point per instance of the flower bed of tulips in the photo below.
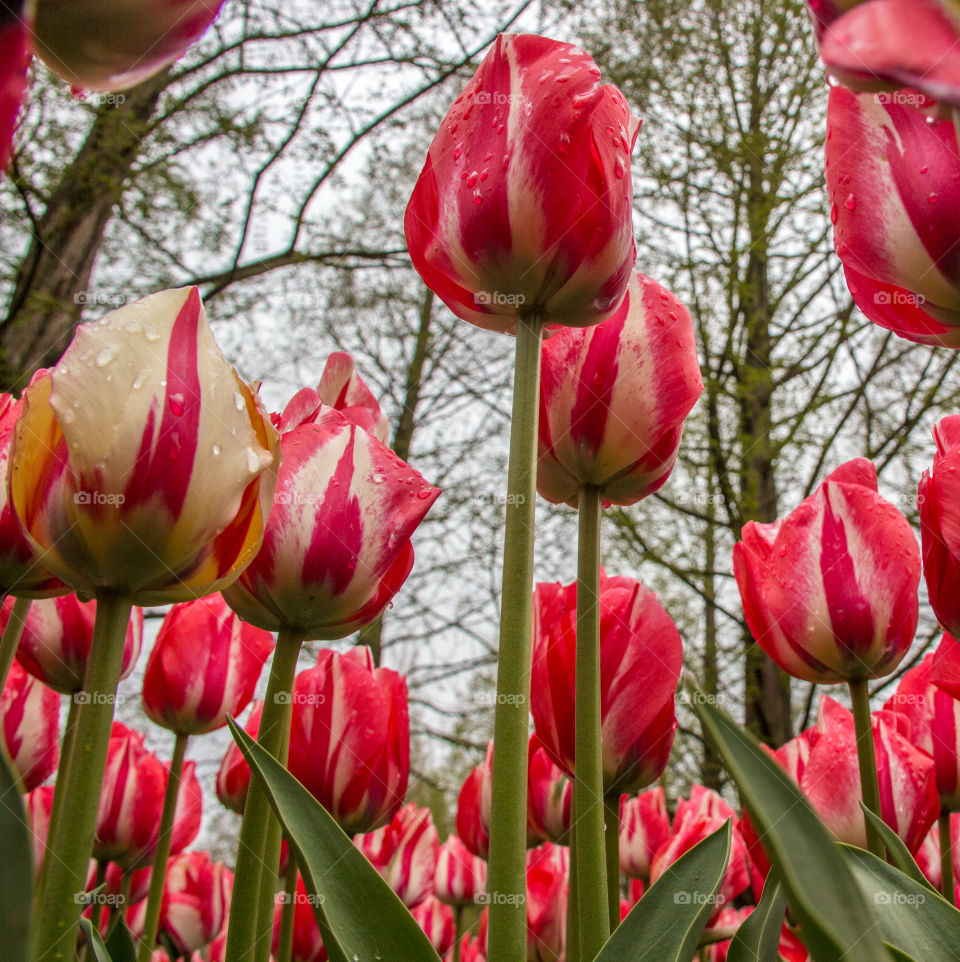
(141, 470)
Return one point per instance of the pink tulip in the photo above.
(703, 801)
(726, 918)
(14, 60)
(640, 656)
(460, 875)
(405, 853)
(337, 545)
(350, 738)
(233, 775)
(341, 387)
(196, 899)
(613, 398)
(473, 807)
(29, 726)
(307, 943)
(894, 181)
(830, 591)
(928, 856)
(547, 882)
(436, 920)
(484, 226)
(644, 827)
(38, 805)
(56, 640)
(945, 666)
(549, 794)
(203, 667)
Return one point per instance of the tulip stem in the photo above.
(573, 918)
(946, 859)
(258, 854)
(78, 785)
(96, 909)
(507, 938)
(588, 754)
(457, 931)
(11, 636)
(285, 948)
(611, 831)
(151, 918)
(866, 756)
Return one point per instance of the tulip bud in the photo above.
(473, 807)
(142, 464)
(405, 853)
(307, 943)
(114, 44)
(29, 726)
(644, 827)
(233, 775)
(613, 398)
(640, 660)
(56, 639)
(196, 900)
(830, 591)
(549, 794)
(436, 920)
(460, 876)
(484, 226)
(350, 738)
(547, 883)
(342, 388)
(14, 60)
(203, 667)
(38, 805)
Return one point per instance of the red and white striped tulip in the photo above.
(131, 802)
(938, 502)
(142, 464)
(203, 667)
(30, 727)
(640, 661)
(613, 398)
(473, 807)
(484, 226)
(460, 876)
(928, 856)
(548, 869)
(893, 178)
(337, 545)
(341, 387)
(307, 943)
(889, 44)
(405, 853)
(115, 44)
(830, 591)
(549, 795)
(56, 638)
(196, 900)
(14, 60)
(436, 920)
(38, 805)
(350, 738)
(703, 801)
(233, 775)
(644, 827)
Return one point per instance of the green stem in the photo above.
(457, 931)
(285, 948)
(120, 909)
(611, 832)
(869, 786)
(573, 916)
(946, 858)
(256, 873)
(588, 753)
(507, 937)
(96, 910)
(79, 784)
(151, 918)
(11, 636)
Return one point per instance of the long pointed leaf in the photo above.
(364, 916)
(835, 920)
(758, 939)
(666, 924)
(94, 943)
(897, 848)
(16, 868)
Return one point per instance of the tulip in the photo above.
(893, 179)
(726, 918)
(350, 740)
(547, 883)
(29, 727)
(436, 920)
(233, 775)
(14, 60)
(640, 656)
(939, 532)
(116, 44)
(934, 858)
(549, 794)
(613, 399)
(886, 44)
(307, 945)
(38, 805)
(483, 225)
(196, 899)
(644, 827)
(703, 801)
(405, 852)
(203, 667)
(57, 634)
(460, 875)
(341, 387)
(830, 591)
(473, 807)
(945, 667)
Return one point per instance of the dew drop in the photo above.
(176, 404)
(67, 417)
(472, 178)
(132, 326)
(850, 203)
(216, 449)
(106, 356)
(138, 381)
(239, 401)
(253, 461)
(151, 333)
(424, 493)
(833, 214)
(618, 168)
(933, 198)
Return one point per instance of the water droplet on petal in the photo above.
(176, 404)
(933, 197)
(151, 333)
(850, 203)
(253, 461)
(138, 381)
(239, 401)
(216, 449)
(106, 356)
(67, 417)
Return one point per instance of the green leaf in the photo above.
(909, 916)
(666, 924)
(120, 943)
(94, 943)
(835, 920)
(362, 913)
(897, 848)
(758, 938)
(16, 868)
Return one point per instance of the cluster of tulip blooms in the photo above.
(141, 470)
